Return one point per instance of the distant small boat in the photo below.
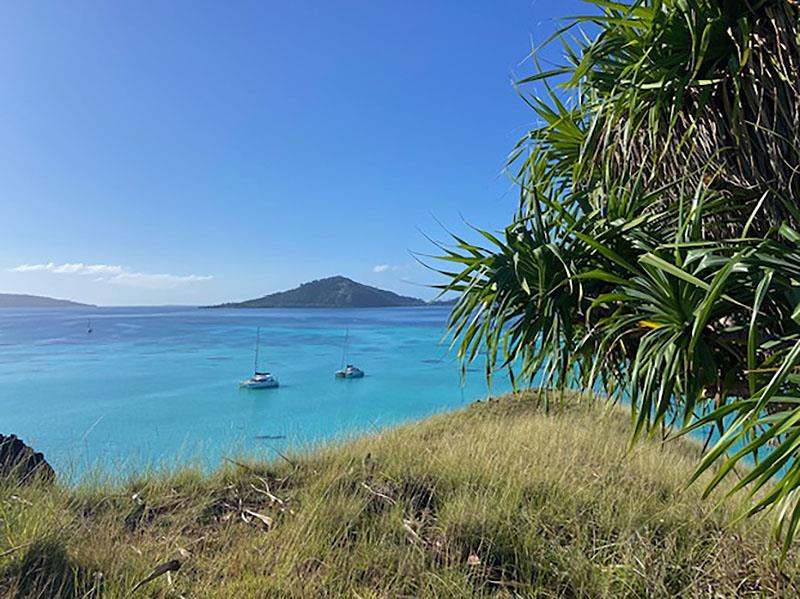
(259, 380)
(348, 371)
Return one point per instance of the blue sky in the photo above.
(195, 152)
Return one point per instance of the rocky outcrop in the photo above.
(20, 463)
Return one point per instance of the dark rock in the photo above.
(21, 463)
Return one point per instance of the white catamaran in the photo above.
(259, 380)
(348, 371)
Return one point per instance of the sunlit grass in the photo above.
(495, 499)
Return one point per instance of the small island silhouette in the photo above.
(18, 300)
(332, 292)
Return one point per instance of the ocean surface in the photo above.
(151, 387)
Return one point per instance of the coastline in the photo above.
(498, 495)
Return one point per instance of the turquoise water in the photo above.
(154, 386)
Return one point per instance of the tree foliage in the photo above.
(655, 253)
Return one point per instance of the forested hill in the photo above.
(333, 292)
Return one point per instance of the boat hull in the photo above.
(259, 384)
(356, 374)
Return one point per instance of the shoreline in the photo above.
(497, 495)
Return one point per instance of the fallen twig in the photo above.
(8, 552)
(391, 500)
(266, 520)
(170, 566)
(266, 492)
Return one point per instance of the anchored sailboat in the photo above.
(259, 380)
(348, 371)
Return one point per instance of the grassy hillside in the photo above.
(497, 499)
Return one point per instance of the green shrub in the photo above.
(655, 255)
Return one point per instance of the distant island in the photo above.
(17, 300)
(332, 292)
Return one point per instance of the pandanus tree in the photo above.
(655, 253)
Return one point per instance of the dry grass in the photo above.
(498, 499)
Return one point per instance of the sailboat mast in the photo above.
(258, 340)
(344, 350)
